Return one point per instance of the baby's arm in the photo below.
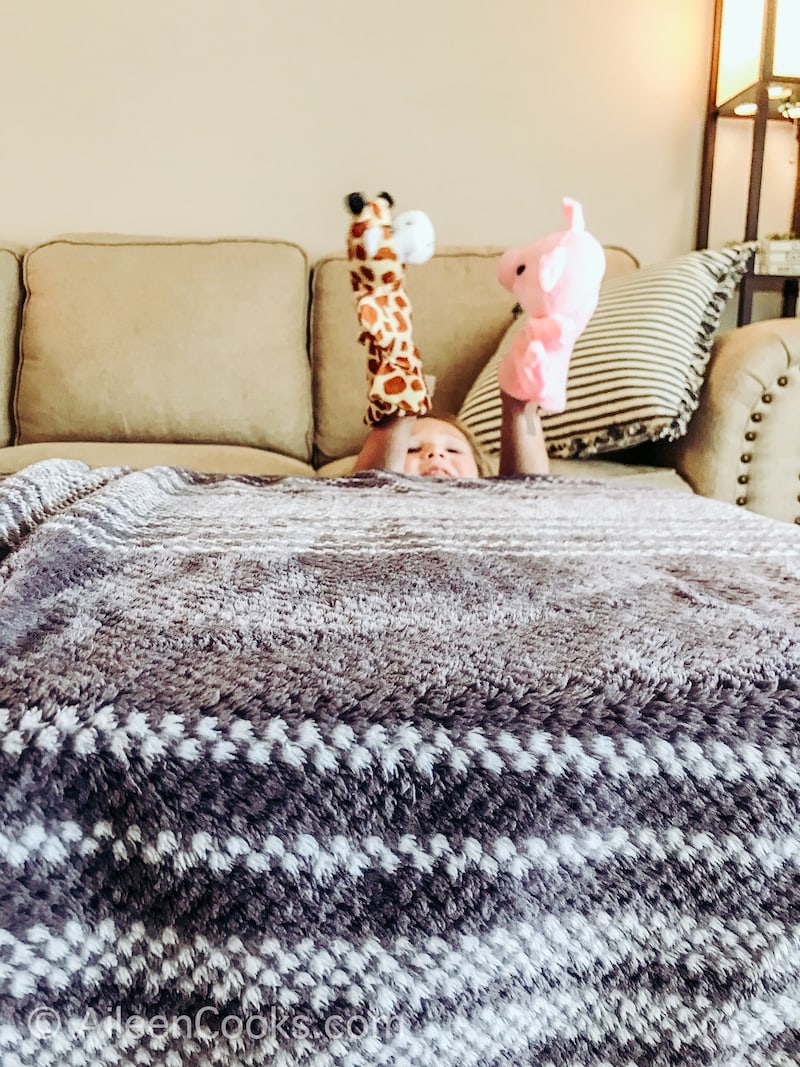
(522, 444)
(386, 445)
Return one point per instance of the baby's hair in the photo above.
(485, 466)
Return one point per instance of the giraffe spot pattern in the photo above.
(393, 365)
(394, 386)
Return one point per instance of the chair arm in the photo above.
(10, 304)
(743, 442)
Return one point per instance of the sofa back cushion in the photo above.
(129, 339)
(10, 300)
(460, 315)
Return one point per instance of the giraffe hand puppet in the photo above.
(557, 282)
(378, 248)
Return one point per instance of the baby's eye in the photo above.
(414, 448)
(458, 451)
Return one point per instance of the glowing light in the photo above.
(740, 47)
(786, 61)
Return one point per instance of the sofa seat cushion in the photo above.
(208, 459)
(602, 469)
(161, 340)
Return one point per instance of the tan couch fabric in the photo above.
(743, 443)
(159, 340)
(144, 351)
(460, 316)
(209, 459)
(10, 298)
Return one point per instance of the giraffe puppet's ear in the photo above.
(355, 203)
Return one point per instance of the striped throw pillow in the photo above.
(637, 369)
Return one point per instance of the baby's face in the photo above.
(439, 450)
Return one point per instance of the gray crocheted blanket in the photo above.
(389, 770)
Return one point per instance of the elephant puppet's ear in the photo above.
(551, 267)
(573, 213)
(355, 203)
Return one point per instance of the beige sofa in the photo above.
(238, 355)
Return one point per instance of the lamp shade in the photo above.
(759, 43)
(786, 61)
(739, 47)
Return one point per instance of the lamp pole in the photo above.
(791, 286)
(709, 135)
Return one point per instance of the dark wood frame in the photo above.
(766, 110)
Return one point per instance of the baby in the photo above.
(440, 447)
(404, 435)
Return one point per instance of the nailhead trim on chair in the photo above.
(751, 435)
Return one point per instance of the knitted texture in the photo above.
(392, 770)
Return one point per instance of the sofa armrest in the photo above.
(743, 442)
(10, 304)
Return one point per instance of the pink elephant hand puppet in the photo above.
(557, 282)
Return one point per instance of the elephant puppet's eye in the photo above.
(521, 268)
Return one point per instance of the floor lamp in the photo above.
(754, 77)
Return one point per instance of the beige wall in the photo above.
(256, 116)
